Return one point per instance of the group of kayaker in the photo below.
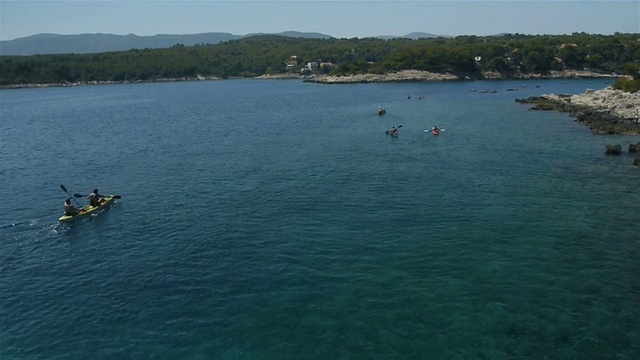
(94, 200)
(394, 130)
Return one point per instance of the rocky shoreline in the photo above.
(400, 76)
(606, 111)
(420, 75)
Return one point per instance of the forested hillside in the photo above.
(510, 54)
(43, 44)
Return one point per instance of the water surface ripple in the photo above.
(276, 220)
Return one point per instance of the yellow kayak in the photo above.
(88, 209)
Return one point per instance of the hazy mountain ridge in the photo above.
(96, 43)
(413, 36)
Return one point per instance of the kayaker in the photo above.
(94, 198)
(393, 131)
(70, 209)
(435, 128)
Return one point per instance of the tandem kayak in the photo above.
(88, 209)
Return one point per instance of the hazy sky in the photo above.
(342, 19)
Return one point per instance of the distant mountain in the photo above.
(413, 36)
(97, 43)
(296, 34)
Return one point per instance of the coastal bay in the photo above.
(605, 111)
(262, 219)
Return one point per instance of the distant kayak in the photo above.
(88, 209)
(435, 131)
(393, 131)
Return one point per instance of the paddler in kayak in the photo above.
(393, 131)
(94, 198)
(70, 209)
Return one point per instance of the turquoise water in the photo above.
(276, 220)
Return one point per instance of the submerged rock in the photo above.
(613, 149)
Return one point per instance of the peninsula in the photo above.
(606, 111)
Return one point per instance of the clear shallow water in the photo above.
(276, 220)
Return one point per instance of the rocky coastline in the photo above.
(606, 111)
(398, 76)
(420, 75)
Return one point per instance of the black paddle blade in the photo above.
(63, 188)
(81, 196)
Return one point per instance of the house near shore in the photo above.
(310, 67)
(313, 66)
(291, 63)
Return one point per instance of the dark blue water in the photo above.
(276, 220)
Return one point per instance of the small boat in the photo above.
(382, 111)
(88, 209)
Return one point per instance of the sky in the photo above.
(338, 18)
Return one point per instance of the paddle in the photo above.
(71, 196)
(83, 196)
(397, 127)
(430, 130)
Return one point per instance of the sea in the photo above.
(275, 219)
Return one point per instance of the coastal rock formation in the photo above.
(420, 75)
(606, 111)
(403, 75)
(283, 76)
(564, 74)
(578, 74)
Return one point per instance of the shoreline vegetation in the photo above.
(397, 76)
